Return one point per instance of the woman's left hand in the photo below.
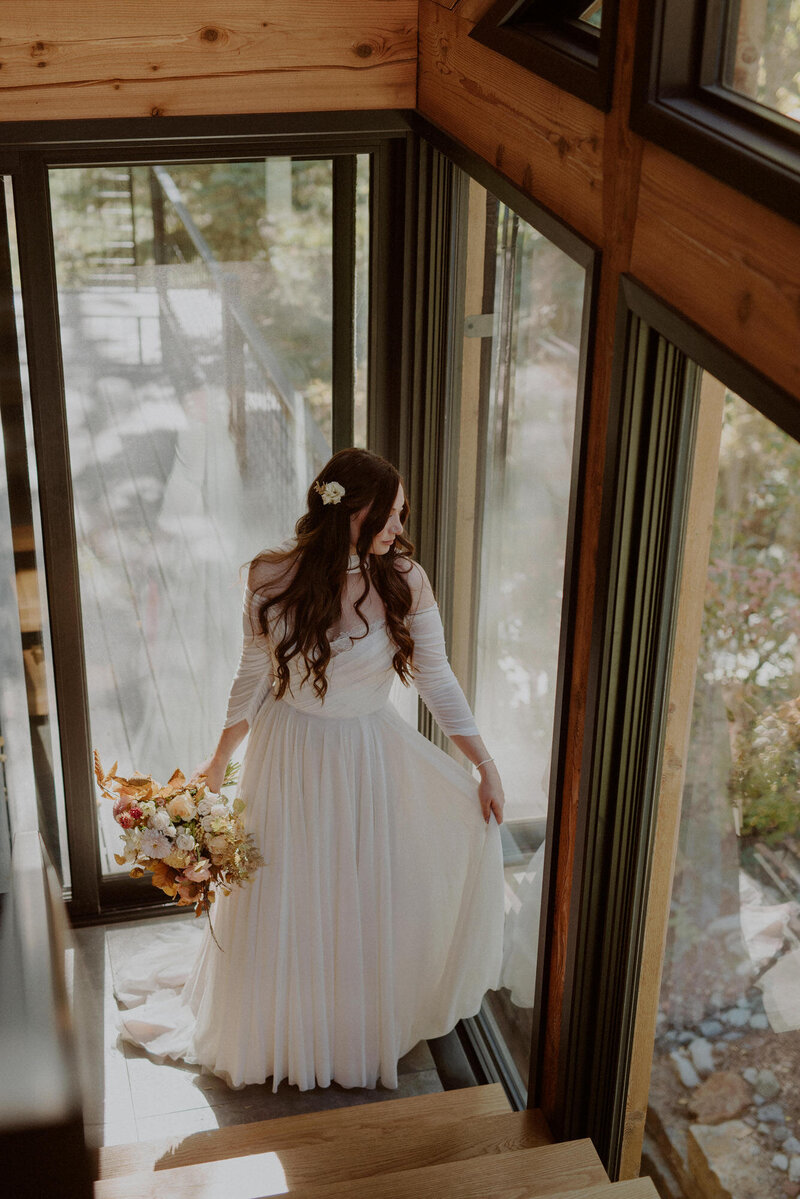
(490, 793)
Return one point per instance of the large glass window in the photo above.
(725, 1088)
(195, 305)
(762, 53)
(524, 300)
(719, 85)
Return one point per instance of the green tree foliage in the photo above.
(751, 628)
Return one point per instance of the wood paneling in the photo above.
(546, 142)
(730, 265)
(166, 58)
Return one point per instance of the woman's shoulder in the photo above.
(271, 568)
(415, 575)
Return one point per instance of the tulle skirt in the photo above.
(376, 922)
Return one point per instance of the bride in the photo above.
(377, 920)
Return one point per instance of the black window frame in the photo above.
(540, 36)
(643, 520)
(679, 102)
(30, 150)
(441, 374)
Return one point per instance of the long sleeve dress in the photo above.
(377, 920)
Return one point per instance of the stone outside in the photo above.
(721, 1160)
(721, 1097)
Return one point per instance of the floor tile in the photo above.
(418, 1058)
(176, 1124)
(130, 1095)
(117, 1133)
(158, 1088)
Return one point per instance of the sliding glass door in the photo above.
(198, 347)
(516, 406)
(196, 318)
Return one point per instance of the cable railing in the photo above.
(272, 426)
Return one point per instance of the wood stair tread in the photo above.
(504, 1172)
(366, 1120)
(630, 1188)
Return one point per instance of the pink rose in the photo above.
(121, 805)
(199, 872)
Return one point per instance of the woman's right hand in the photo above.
(214, 773)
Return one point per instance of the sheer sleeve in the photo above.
(254, 674)
(433, 675)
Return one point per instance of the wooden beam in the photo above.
(723, 260)
(163, 58)
(622, 155)
(545, 141)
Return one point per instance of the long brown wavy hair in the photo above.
(312, 601)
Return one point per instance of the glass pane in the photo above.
(725, 1077)
(593, 14)
(27, 700)
(520, 373)
(362, 300)
(762, 53)
(195, 308)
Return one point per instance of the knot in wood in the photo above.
(744, 307)
(363, 49)
(209, 34)
(37, 48)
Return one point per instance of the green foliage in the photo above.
(267, 224)
(751, 627)
(765, 776)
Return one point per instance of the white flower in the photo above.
(217, 844)
(148, 808)
(159, 820)
(131, 839)
(205, 805)
(219, 809)
(184, 841)
(155, 844)
(331, 492)
(208, 822)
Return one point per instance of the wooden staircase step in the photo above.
(631, 1188)
(355, 1154)
(504, 1172)
(546, 1170)
(370, 1122)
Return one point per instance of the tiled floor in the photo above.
(128, 1096)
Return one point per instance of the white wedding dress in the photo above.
(377, 920)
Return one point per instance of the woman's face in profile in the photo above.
(382, 541)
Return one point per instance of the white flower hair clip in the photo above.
(331, 492)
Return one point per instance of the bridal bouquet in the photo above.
(190, 838)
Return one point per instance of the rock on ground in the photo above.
(726, 1160)
(723, 1096)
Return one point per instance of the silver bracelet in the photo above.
(483, 763)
